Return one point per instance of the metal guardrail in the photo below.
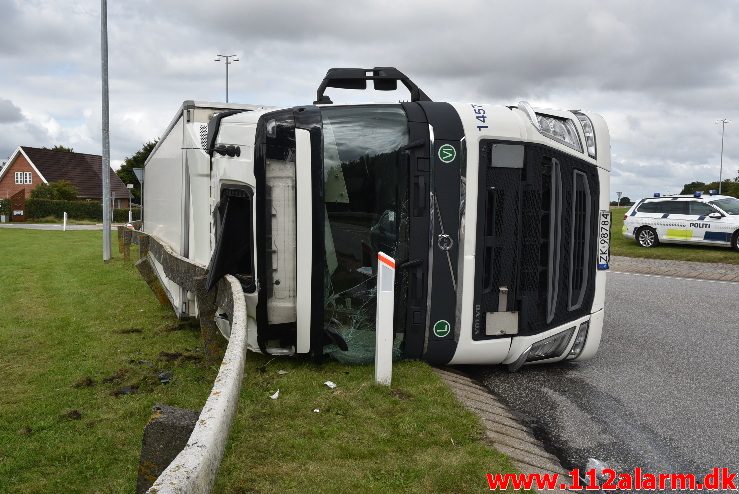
(194, 469)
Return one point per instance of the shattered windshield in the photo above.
(365, 187)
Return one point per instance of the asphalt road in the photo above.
(663, 391)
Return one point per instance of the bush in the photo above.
(5, 207)
(76, 210)
(61, 190)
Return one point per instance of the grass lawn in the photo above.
(77, 336)
(622, 246)
(414, 437)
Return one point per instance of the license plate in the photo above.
(604, 239)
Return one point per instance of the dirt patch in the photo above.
(400, 394)
(180, 357)
(85, 382)
(125, 390)
(72, 415)
(118, 377)
(129, 331)
(170, 356)
(188, 324)
(25, 431)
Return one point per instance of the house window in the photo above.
(22, 178)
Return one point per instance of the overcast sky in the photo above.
(660, 72)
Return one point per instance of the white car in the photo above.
(696, 219)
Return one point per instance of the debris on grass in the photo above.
(276, 395)
(263, 368)
(330, 384)
(165, 377)
(85, 382)
(281, 372)
(316, 410)
(25, 431)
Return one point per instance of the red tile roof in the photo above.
(83, 170)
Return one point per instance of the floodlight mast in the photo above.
(229, 59)
(723, 123)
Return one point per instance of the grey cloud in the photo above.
(661, 72)
(9, 113)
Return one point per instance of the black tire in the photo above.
(735, 240)
(647, 237)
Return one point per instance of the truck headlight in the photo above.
(580, 339)
(589, 131)
(551, 347)
(560, 129)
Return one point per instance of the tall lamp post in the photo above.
(105, 171)
(229, 59)
(723, 123)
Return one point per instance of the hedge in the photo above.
(5, 207)
(76, 210)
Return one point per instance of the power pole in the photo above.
(723, 123)
(229, 59)
(105, 171)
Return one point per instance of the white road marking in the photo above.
(677, 278)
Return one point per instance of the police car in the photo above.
(691, 219)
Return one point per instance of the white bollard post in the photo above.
(130, 216)
(384, 320)
(64, 227)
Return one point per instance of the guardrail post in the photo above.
(384, 319)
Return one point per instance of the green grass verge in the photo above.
(55, 220)
(75, 331)
(622, 246)
(68, 319)
(412, 437)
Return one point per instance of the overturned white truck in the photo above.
(497, 217)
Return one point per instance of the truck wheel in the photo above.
(647, 237)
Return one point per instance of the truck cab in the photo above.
(492, 214)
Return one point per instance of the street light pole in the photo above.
(723, 123)
(229, 59)
(105, 169)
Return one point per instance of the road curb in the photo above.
(502, 430)
(678, 269)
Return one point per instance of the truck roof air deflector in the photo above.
(384, 79)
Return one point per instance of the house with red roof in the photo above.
(29, 166)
